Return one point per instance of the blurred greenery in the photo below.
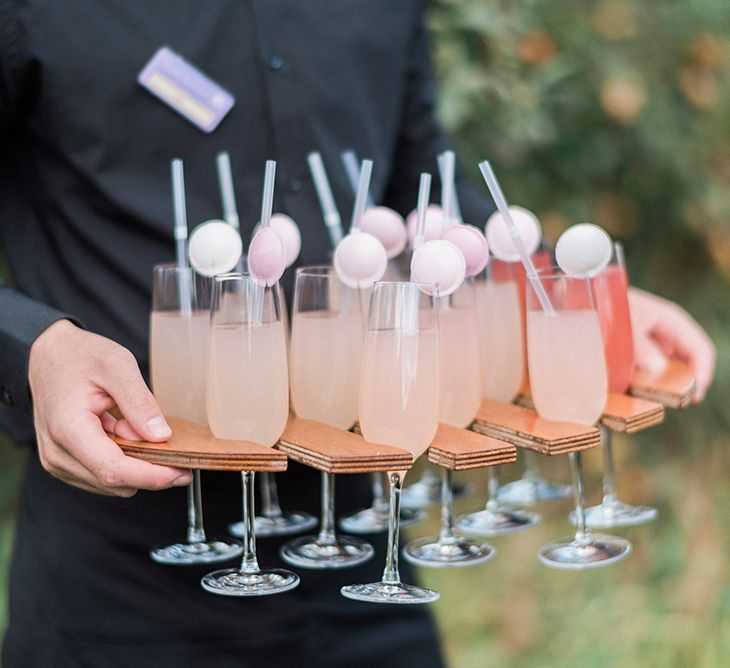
(615, 112)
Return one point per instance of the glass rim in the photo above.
(168, 266)
(315, 270)
(555, 272)
(233, 276)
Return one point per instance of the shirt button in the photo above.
(6, 396)
(275, 63)
(295, 185)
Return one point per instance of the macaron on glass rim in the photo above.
(232, 258)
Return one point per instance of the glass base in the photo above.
(375, 520)
(458, 552)
(596, 551)
(186, 554)
(497, 522)
(389, 592)
(234, 582)
(532, 489)
(310, 552)
(286, 524)
(617, 514)
(426, 492)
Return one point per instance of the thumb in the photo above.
(135, 401)
(648, 355)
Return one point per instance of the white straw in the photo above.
(352, 169)
(361, 195)
(455, 212)
(447, 188)
(181, 233)
(501, 202)
(424, 192)
(225, 184)
(267, 203)
(326, 200)
(267, 200)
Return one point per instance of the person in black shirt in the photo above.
(85, 212)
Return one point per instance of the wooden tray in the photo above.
(525, 428)
(631, 414)
(460, 449)
(192, 446)
(338, 451)
(674, 387)
(622, 412)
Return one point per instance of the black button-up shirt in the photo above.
(85, 212)
(85, 203)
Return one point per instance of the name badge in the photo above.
(185, 89)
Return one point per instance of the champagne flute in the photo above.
(375, 518)
(325, 358)
(178, 341)
(569, 383)
(610, 289)
(399, 407)
(503, 369)
(460, 394)
(247, 399)
(531, 487)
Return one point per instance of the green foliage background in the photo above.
(615, 112)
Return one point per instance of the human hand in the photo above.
(76, 378)
(664, 330)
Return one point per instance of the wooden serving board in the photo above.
(674, 387)
(525, 428)
(460, 449)
(193, 446)
(631, 414)
(338, 451)
(622, 412)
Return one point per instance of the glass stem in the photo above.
(248, 562)
(446, 534)
(327, 523)
(269, 496)
(379, 501)
(429, 476)
(196, 533)
(576, 469)
(532, 470)
(390, 574)
(609, 472)
(492, 489)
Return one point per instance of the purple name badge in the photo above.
(185, 89)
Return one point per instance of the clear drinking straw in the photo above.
(326, 201)
(349, 161)
(424, 193)
(181, 233)
(447, 187)
(225, 183)
(361, 195)
(267, 204)
(455, 208)
(501, 202)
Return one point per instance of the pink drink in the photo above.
(326, 352)
(610, 289)
(461, 382)
(500, 339)
(178, 351)
(398, 392)
(567, 366)
(248, 384)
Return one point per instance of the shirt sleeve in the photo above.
(421, 139)
(22, 319)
